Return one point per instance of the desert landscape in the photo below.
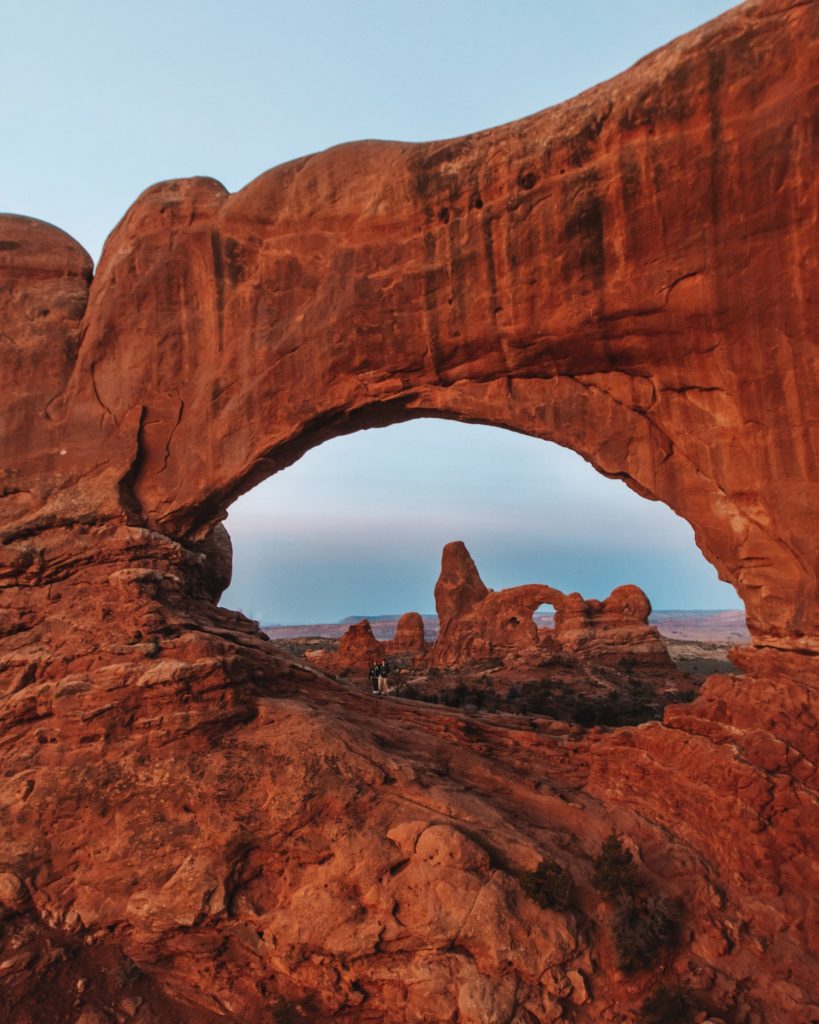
(698, 642)
(200, 823)
(590, 662)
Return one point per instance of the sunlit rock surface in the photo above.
(477, 623)
(194, 828)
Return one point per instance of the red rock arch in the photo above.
(628, 274)
(631, 274)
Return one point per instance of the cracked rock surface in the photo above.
(195, 828)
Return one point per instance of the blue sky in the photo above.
(356, 526)
(100, 100)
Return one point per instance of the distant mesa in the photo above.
(348, 620)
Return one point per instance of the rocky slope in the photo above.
(193, 827)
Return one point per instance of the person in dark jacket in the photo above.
(383, 676)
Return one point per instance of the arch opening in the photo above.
(615, 439)
(354, 535)
(544, 619)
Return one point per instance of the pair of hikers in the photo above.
(379, 673)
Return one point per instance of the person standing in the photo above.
(375, 673)
(383, 676)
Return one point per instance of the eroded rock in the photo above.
(477, 623)
(631, 274)
(409, 637)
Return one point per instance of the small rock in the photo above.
(579, 994)
(90, 1015)
(130, 1004)
(12, 893)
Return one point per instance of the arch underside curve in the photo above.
(630, 274)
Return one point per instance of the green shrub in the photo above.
(642, 927)
(549, 885)
(614, 871)
(667, 1006)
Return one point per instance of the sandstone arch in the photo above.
(476, 623)
(628, 274)
(631, 274)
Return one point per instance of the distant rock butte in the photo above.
(477, 623)
(359, 647)
(195, 827)
(357, 651)
(409, 636)
(616, 629)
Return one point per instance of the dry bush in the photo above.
(549, 885)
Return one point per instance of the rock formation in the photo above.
(613, 630)
(355, 653)
(358, 648)
(477, 623)
(474, 622)
(459, 588)
(189, 819)
(409, 637)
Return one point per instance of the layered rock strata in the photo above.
(477, 623)
(188, 819)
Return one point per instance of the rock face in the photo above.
(609, 274)
(612, 630)
(477, 623)
(409, 636)
(459, 588)
(207, 827)
(358, 648)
